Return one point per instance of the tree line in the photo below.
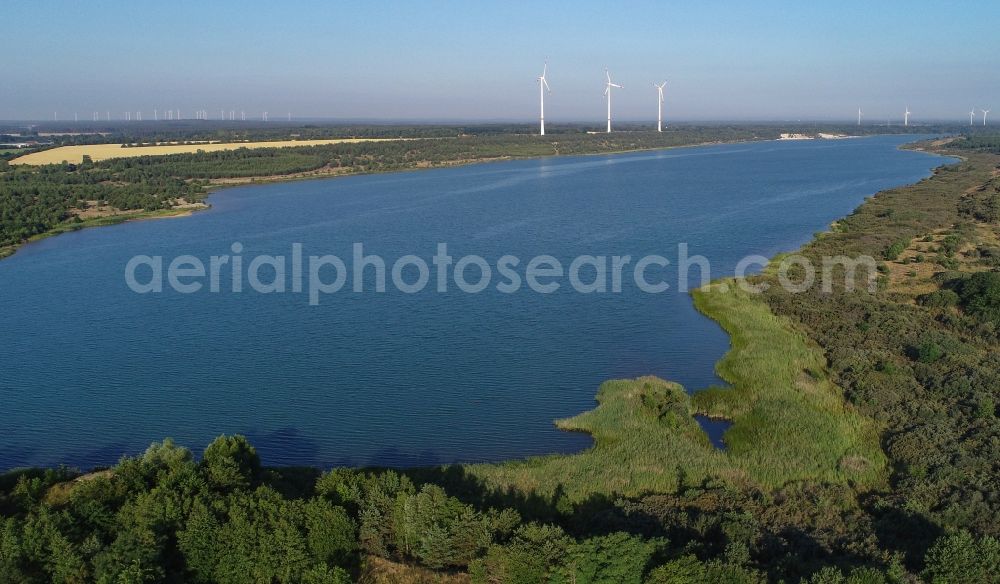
(166, 517)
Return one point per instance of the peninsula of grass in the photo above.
(789, 421)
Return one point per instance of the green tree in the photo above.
(961, 558)
(618, 557)
(230, 462)
(331, 534)
(980, 295)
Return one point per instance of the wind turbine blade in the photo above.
(546, 83)
(608, 73)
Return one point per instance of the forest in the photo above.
(916, 358)
(166, 517)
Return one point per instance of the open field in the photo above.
(97, 152)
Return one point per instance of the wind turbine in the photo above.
(607, 93)
(543, 86)
(859, 116)
(906, 116)
(972, 115)
(985, 112)
(659, 105)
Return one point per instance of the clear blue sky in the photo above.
(478, 60)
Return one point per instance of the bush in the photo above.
(979, 295)
(927, 352)
(895, 250)
(939, 299)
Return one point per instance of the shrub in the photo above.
(895, 249)
(927, 352)
(939, 299)
(979, 295)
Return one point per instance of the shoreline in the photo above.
(105, 221)
(697, 406)
(125, 217)
(858, 459)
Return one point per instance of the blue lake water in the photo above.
(91, 370)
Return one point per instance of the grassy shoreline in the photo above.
(789, 421)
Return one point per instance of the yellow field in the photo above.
(75, 154)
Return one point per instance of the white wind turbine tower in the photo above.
(859, 116)
(659, 105)
(972, 115)
(906, 116)
(543, 86)
(607, 93)
(985, 112)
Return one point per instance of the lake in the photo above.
(92, 370)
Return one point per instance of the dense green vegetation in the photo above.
(789, 422)
(983, 143)
(926, 371)
(865, 444)
(163, 516)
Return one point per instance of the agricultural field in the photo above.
(98, 152)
